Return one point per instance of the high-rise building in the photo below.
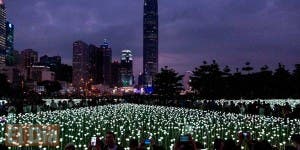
(80, 65)
(96, 64)
(9, 41)
(2, 33)
(16, 57)
(150, 41)
(51, 62)
(29, 57)
(141, 80)
(126, 68)
(115, 74)
(107, 59)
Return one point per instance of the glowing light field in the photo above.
(163, 124)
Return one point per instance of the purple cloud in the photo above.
(231, 32)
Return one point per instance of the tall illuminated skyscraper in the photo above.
(126, 68)
(150, 41)
(9, 41)
(107, 59)
(2, 33)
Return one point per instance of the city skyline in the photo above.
(261, 32)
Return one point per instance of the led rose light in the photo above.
(164, 124)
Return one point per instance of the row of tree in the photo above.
(208, 81)
(211, 82)
(20, 91)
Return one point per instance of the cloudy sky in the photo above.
(190, 31)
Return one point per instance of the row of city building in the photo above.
(90, 63)
(92, 66)
(28, 66)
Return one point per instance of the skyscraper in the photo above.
(150, 41)
(107, 59)
(96, 64)
(2, 33)
(126, 68)
(115, 74)
(29, 57)
(140, 80)
(81, 64)
(51, 62)
(9, 42)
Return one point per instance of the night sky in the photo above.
(190, 31)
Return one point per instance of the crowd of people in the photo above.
(255, 108)
(31, 106)
(186, 142)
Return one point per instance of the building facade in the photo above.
(126, 68)
(96, 64)
(12, 73)
(115, 74)
(80, 64)
(41, 73)
(141, 80)
(2, 33)
(150, 40)
(29, 57)
(50, 61)
(9, 39)
(107, 59)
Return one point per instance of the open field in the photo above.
(163, 124)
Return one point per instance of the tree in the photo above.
(247, 68)
(51, 86)
(63, 72)
(167, 82)
(198, 80)
(282, 82)
(210, 83)
(207, 80)
(296, 79)
(263, 82)
(226, 71)
(5, 87)
(264, 68)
